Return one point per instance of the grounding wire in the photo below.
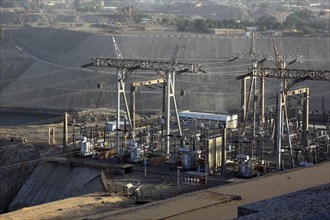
(230, 97)
(31, 76)
(107, 72)
(31, 162)
(45, 98)
(75, 68)
(5, 147)
(49, 86)
(43, 122)
(54, 88)
(226, 67)
(206, 84)
(80, 69)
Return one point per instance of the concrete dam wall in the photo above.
(40, 69)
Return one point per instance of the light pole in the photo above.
(178, 169)
(223, 150)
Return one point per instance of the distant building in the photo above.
(227, 31)
(251, 29)
(56, 2)
(158, 28)
(79, 3)
(145, 21)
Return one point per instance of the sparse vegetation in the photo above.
(203, 26)
(304, 21)
(137, 17)
(89, 8)
(267, 23)
(275, 16)
(301, 22)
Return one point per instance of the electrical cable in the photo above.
(31, 162)
(45, 98)
(94, 90)
(5, 147)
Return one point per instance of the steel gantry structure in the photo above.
(296, 75)
(284, 75)
(280, 62)
(166, 70)
(257, 63)
(134, 86)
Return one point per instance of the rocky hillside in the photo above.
(13, 152)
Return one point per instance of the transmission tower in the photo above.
(167, 71)
(257, 63)
(297, 76)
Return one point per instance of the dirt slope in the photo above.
(54, 79)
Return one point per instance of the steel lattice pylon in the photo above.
(133, 64)
(296, 74)
(167, 71)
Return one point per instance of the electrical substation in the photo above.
(162, 155)
(157, 109)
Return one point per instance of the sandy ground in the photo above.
(34, 133)
(72, 207)
(195, 206)
(213, 203)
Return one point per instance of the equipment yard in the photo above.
(115, 114)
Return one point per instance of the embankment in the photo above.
(51, 78)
